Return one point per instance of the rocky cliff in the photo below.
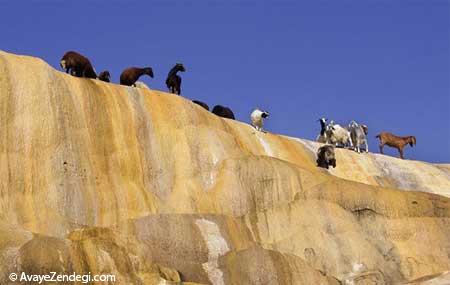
(102, 178)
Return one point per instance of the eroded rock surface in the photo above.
(102, 178)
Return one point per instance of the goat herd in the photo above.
(78, 65)
(353, 137)
(331, 134)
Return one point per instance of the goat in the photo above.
(223, 111)
(77, 65)
(322, 137)
(204, 105)
(257, 118)
(358, 136)
(130, 75)
(338, 135)
(173, 80)
(395, 141)
(326, 156)
(104, 76)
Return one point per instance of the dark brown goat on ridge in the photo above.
(104, 76)
(130, 75)
(395, 141)
(78, 65)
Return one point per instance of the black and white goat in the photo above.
(257, 118)
(322, 137)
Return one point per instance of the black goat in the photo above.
(173, 80)
(223, 111)
(204, 105)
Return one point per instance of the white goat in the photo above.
(257, 118)
(338, 135)
(358, 136)
(322, 137)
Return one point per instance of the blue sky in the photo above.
(384, 63)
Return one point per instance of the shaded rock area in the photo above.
(145, 185)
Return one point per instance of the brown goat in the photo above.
(130, 75)
(77, 65)
(326, 156)
(104, 76)
(395, 141)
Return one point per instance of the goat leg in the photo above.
(400, 150)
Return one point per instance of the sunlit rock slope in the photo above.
(102, 178)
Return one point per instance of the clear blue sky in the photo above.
(384, 63)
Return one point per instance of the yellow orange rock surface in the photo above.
(145, 185)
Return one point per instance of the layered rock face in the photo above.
(101, 178)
